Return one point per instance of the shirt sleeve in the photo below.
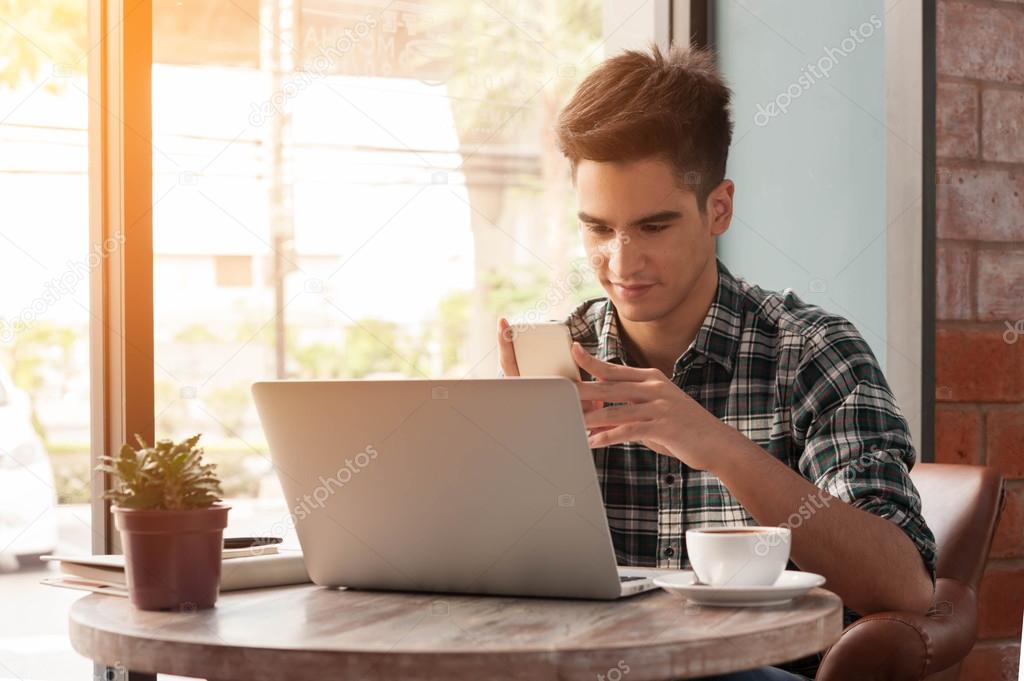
(855, 441)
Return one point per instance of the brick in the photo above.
(991, 662)
(1000, 603)
(986, 204)
(1004, 442)
(956, 120)
(1002, 125)
(1001, 288)
(956, 436)
(953, 282)
(980, 42)
(977, 365)
(1009, 539)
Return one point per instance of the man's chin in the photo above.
(638, 311)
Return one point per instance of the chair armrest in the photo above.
(904, 646)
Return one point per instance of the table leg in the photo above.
(101, 672)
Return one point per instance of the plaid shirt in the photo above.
(800, 382)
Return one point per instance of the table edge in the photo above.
(652, 659)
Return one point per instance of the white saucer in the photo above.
(790, 584)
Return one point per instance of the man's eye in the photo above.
(599, 229)
(654, 228)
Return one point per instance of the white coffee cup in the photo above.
(738, 556)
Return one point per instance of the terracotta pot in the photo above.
(172, 558)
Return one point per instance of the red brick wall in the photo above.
(979, 336)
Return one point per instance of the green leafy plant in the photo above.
(168, 476)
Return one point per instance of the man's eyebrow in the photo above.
(661, 216)
(586, 217)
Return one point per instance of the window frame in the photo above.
(120, 207)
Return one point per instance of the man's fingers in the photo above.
(614, 391)
(506, 351)
(617, 415)
(612, 436)
(605, 371)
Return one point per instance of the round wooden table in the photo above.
(309, 632)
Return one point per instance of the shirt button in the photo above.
(669, 551)
(669, 479)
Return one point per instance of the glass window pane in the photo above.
(809, 106)
(387, 169)
(44, 328)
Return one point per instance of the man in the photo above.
(715, 402)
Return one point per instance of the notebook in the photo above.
(105, 574)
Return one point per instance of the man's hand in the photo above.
(657, 413)
(868, 560)
(506, 353)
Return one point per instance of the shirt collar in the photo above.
(716, 338)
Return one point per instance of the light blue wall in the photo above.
(810, 180)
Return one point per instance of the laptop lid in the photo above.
(475, 486)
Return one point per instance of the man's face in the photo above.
(644, 234)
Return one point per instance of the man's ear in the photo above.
(718, 207)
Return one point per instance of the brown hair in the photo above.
(647, 104)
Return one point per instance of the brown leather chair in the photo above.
(961, 504)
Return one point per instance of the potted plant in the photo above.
(171, 523)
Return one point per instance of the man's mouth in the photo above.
(631, 291)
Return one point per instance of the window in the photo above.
(826, 104)
(44, 326)
(391, 171)
(809, 110)
(233, 270)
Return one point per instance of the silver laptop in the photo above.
(467, 486)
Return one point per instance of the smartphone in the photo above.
(542, 349)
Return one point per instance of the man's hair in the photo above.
(640, 105)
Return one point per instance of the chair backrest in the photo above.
(961, 505)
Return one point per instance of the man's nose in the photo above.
(624, 259)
